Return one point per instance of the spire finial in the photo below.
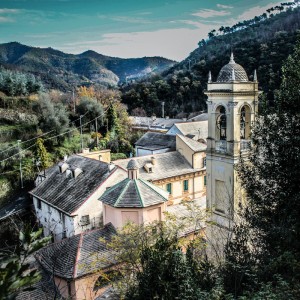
(209, 76)
(255, 76)
(232, 75)
(231, 58)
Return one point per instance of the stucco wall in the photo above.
(142, 152)
(120, 216)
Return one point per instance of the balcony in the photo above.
(221, 146)
(245, 145)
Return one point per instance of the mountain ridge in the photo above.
(61, 70)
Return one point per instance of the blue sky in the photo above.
(122, 28)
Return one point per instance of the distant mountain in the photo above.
(60, 70)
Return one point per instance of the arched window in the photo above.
(221, 123)
(243, 123)
(245, 116)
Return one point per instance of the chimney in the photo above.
(153, 160)
(111, 166)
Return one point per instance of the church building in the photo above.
(232, 106)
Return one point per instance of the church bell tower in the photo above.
(232, 106)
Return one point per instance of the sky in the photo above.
(121, 28)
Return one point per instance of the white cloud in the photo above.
(224, 6)
(9, 11)
(130, 20)
(256, 11)
(6, 20)
(208, 13)
(171, 43)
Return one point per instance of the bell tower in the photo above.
(232, 106)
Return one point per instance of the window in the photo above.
(169, 187)
(205, 180)
(204, 162)
(185, 185)
(39, 204)
(85, 220)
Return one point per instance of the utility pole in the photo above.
(97, 139)
(20, 158)
(163, 109)
(81, 133)
(73, 98)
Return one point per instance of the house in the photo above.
(76, 263)
(182, 172)
(197, 130)
(66, 199)
(153, 124)
(102, 155)
(155, 142)
(133, 199)
(201, 117)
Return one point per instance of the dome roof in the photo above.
(132, 165)
(232, 71)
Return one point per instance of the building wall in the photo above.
(173, 130)
(105, 154)
(120, 216)
(52, 220)
(93, 206)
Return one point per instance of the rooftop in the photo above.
(154, 141)
(166, 165)
(78, 255)
(194, 145)
(197, 129)
(134, 193)
(66, 193)
(153, 122)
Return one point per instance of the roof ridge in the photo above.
(77, 255)
(137, 188)
(149, 184)
(123, 191)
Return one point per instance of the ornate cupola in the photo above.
(232, 104)
(133, 169)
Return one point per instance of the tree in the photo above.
(267, 243)
(16, 273)
(42, 154)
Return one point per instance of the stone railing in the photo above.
(221, 146)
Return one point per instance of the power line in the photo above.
(52, 138)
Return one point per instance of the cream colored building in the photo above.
(181, 173)
(232, 106)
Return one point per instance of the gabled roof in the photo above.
(132, 193)
(154, 141)
(159, 123)
(78, 255)
(201, 117)
(166, 165)
(197, 129)
(192, 144)
(67, 194)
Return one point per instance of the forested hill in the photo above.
(62, 71)
(261, 43)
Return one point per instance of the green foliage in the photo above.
(116, 156)
(51, 117)
(266, 245)
(42, 154)
(18, 84)
(91, 109)
(15, 270)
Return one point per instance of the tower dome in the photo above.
(232, 72)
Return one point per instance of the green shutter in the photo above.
(169, 187)
(204, 180)
(185, 185)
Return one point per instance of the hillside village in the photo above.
(99, 203)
